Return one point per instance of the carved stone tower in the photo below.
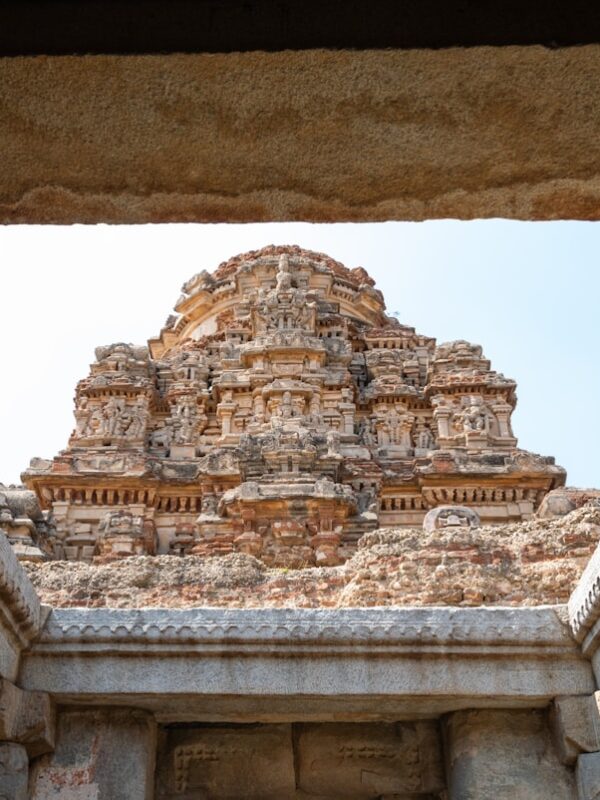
(282, 413)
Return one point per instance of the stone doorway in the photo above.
(305, 761)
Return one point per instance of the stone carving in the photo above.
(216, 762)
(357, 761)
(115, 418)
(475, 419)
(121, 533)
(30, 531)
(444, 628)
(450, 517)
(283, 387)
(353, 760)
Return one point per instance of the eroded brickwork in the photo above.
(531, 563)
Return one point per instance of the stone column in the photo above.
(442, 414)
(588, 776)
(503, 412)
(14, 770)
(26, 730)
(504, 755)
(576, 731)
(101, 753)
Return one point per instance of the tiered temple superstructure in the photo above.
(282, 413)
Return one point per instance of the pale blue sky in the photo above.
(527, 292)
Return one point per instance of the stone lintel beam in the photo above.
(307, 663)
(20, 610)
(14, 771)
(312, 135)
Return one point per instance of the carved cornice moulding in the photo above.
(416, 630)
(20, 609)
(216, 661)
(584, 607)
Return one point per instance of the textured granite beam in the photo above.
(308, 135)
(307, 663)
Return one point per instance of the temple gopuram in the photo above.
(293, 552)
(282, 413)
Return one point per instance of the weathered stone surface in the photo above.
(504, 755)
(365, 761)
(20, 610)
(560, 502)
(99, 755)
(26, 718)
(576, 726)
(588, 776)
(14, 765)
(223, 763)
(530, 563)
(473, 132)
(354, 761)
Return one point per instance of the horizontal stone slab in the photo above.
(307, 663)
(310, 135)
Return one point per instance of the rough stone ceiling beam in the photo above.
(308, 135)
(64, 27)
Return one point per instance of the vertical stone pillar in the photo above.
(14, 770)
(442, 414)
(101, 753)
(588, 776)
(503, 412)
(504, 755)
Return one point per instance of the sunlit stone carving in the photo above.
(282, 413)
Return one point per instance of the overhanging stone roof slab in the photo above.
(307, 663)
(311, 135)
